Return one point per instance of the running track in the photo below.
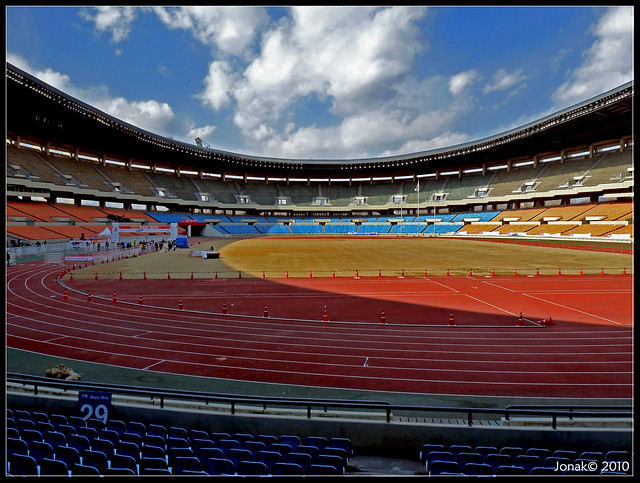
(587, 352)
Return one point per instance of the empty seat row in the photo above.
(490, 460)
(54, 444)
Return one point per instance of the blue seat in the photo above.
(104, 446)
(11, 423)
(310, 450)
(495, 460)
(528, 461)
(291, 440)
(44, 427)
(178, 432)
(97, 459)
(23, 465)
(219, 466)
(51, 467)
(226, 444)
(270, 458)
(177, 443)
(111, 435)
(341, 453)
(149, 451)
(132, 438)
(267, 439)
(138, 428)
(113, 471)
(464, 458)
(79, 442)
(127, 448)
(565, 453)
(58, 419)
(198, 434)
(252, 468)
(89, 433)
(456, 449)
(205, 453)
(281, 448)
(617, 455)
(317, 470)
(485, 450)
(155, 471)
(236, 455)
(157, 430)
(23, 424)
(255, 447)
(342, 443)
(157, 463)
(304, 460)
(332, 460)
(592, 455)
(40, 416)
(55, 439)
(289, 469)
(155, 440)
(76, 422)
(117, 425)
(319, 442)
(124, 461)
(183, 463)
(243, 437)
(541, 470)
(439, 467)
(31, 435)
(198, 444)
(541, 452)
(68, 454)
(477, 469)
(67, 430)
(13, 433)
(554, 461)
(439, 456)
(41, 449)
(21, 414)
(84, 470)
(512, 451)
(510, 470)
(217, 436)
(17, 446)
(97, 424)
(174, 453)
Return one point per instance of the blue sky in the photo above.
(325, 82)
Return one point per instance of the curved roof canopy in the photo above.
(41, 112)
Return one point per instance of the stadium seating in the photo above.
(133, 447)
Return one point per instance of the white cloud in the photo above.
(459, 82)
(503, 80)
(115, 20)
(607, 64)
(230, 30)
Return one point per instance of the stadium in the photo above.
(465, 310)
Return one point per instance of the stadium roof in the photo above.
(38, 111)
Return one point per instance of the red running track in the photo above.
(587, 352)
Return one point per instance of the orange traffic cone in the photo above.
(115, 297)
(325, 315)
(383, 318)
(180, 306)
(520, 320)
(451, 321)
(141, 301)
(224, 307)
(66, 295)
(145, 276)
(266, 311)
(89, 297)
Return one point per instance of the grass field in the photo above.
(298, 257)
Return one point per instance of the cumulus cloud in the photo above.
(607, 64)
(503, 80)
(229, 30)
(459, 82)
(115, 20)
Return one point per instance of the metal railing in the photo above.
(551, 412)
